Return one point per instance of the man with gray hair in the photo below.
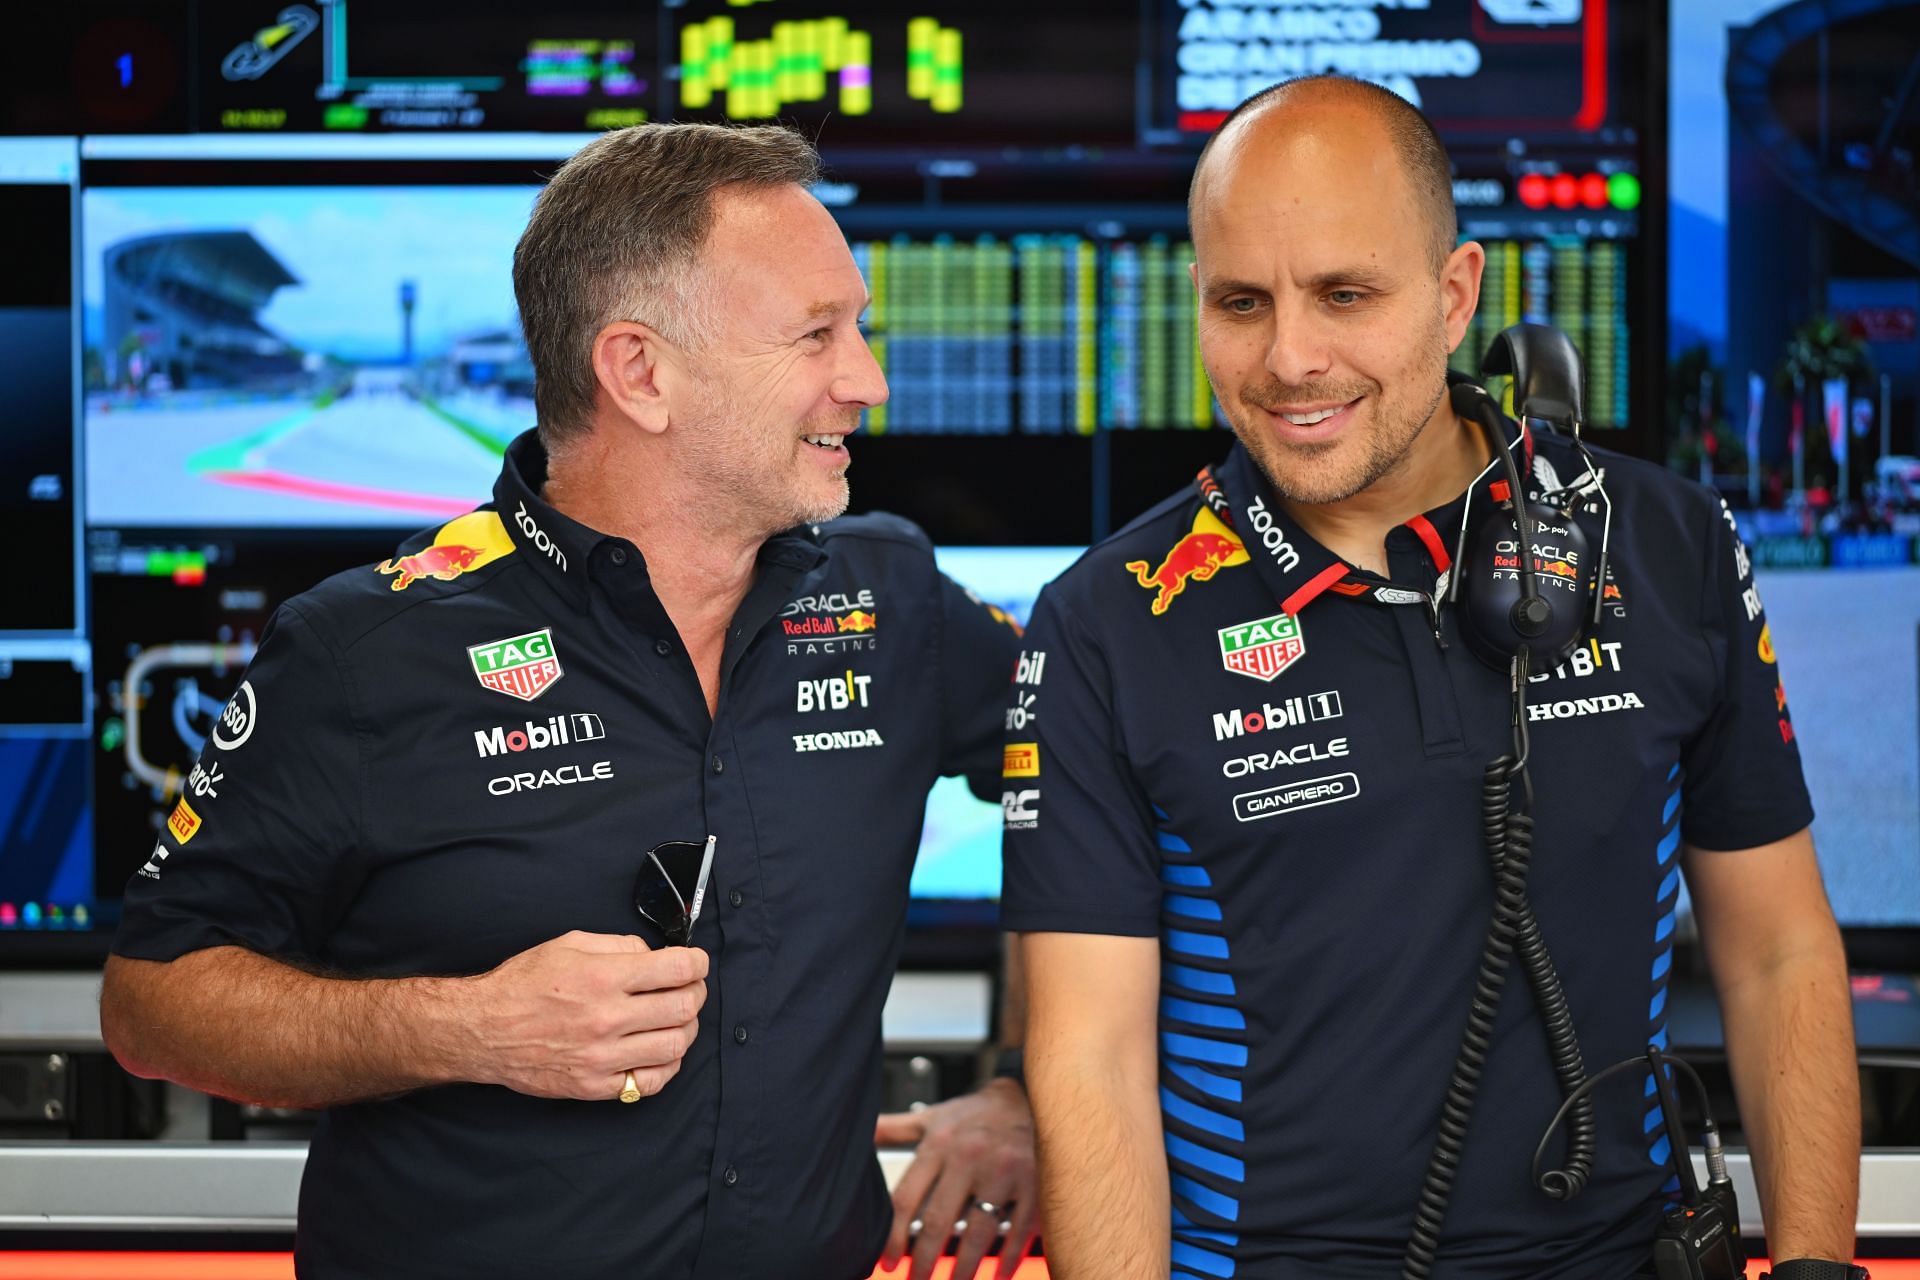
(465, 927)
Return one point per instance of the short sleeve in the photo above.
(254, 851)
(1743, 785)
(979, 645)
(1079, 848)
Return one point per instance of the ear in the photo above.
(637, 370)
(1460, 290)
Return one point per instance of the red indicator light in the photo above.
(1593, 191)
(1533, 191)
(1566, 191)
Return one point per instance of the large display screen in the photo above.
(329, 356)
(288, 334)
(1793, 382)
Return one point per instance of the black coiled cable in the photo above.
(1508, 832)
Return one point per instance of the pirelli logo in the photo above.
(183, 822)
(1020, 760)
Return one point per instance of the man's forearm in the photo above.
(1103, 1168)
(239, 1025)
(1789, 1036)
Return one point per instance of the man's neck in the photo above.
(1445, 458)
(699, 561)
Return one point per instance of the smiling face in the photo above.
(1324, 325)
(776, 393)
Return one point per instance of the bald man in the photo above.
(1244, 848)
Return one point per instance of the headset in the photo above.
(1507, 607)
(1514, 622)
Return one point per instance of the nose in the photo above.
(859, 380)
(1301, 349)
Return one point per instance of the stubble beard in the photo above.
(756, 476)
(1313, 474)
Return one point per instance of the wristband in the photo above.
(1816, 1269)
(1011, 1064)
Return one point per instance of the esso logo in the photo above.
(237, 719)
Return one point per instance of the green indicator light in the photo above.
(1623, 191)
(343, 116)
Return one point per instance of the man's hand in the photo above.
(570, 1017)
(973, 1150)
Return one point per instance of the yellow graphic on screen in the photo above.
(800, 60)
(933, 64)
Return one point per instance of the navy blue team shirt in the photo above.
(437, 762)
(1268, 760)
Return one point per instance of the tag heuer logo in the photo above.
(522, 667)
(1262, 648)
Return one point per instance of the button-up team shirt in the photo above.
(439, 761)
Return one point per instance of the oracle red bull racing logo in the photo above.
(1205, 551)
(463, 545)
(834, 622)
(522, 667)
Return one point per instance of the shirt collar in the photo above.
(1298, 569)
(563, 550)
(560, 549)
(1292, 565)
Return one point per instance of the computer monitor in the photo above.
(1793, 382)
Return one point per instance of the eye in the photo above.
(1344, 297)
(1242, 306)
(820, 335)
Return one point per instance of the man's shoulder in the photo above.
(1651, 479)
(1650, 493)
(1112, 571)
(879, 530)
(447, 565)
(876, 547)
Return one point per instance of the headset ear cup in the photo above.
(1490, 588)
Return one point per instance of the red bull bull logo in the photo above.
(443, 561)
(475, 539)
(1205, 551)
(858, 620)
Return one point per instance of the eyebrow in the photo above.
(1369, 277)
(823, 310)
(1372, 277)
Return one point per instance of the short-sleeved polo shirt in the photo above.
(1274, 764)
(439, 761)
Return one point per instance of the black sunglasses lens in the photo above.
(663, 888)
(658, 902)
(680, 859)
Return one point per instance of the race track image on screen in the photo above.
(300, 355)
